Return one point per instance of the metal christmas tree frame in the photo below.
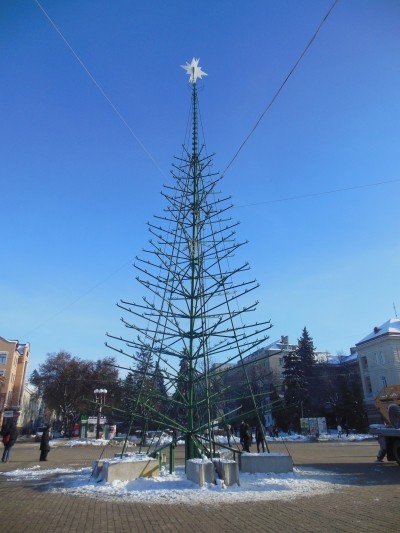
(190, 325)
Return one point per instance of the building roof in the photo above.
(343, 359)
(281, 344)
(19, 346)
(391, 327)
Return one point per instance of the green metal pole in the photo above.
(193, 250)
(172, 459)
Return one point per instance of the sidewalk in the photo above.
(367, 498)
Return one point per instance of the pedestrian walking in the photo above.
(260, 438)
(45, 444)
(242, 433)
(339, 431)
(228, 432)
(246, 437)
(10, 435)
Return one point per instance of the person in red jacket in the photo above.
(9, 438)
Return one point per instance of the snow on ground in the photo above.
(83, 442)
(222, 439)
(169, 488)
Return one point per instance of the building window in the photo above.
(380, 358)
(368, 386)
(3, 358)
(2, 372)
(364, 363)
(384, 382)
(281, 361)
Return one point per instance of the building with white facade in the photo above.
(31, 410)
(379, 361)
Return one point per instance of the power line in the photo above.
(101, 90)
(112, 274)
(80, 297)
(322, 193)
(281, 86)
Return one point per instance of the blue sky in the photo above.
(77, 188)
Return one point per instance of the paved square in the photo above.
(365, 498)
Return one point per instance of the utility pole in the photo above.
(100, 396)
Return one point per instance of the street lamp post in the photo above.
(100, 395)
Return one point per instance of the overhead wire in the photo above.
(80, 297)
(277, 93)
(100, 88)
(312, 194)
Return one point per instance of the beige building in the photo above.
(272, 358)
(14, 358)
(379, 361)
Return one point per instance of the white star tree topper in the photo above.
(193, 70)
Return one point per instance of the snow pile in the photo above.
(202, 460)
(351, 437)
(175, 488)
(269, 454)
(129, 458)
(296, 437)
(86, 442)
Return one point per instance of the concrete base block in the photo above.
(277, 463)
(228, 471)
(125, 470)
(199, 472)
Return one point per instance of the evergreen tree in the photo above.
(295, 385)
(306, 351)
(145, 392)
(350, 410)
(298, 375)
(127, 395)
(180, 396)
(159, 382)
(138, 386)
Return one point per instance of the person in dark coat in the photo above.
(242, 433)
(246, 437)
(9, 438)
(45, 444)
(228, 432)
(260, 438)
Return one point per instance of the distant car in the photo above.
(135, 439)
(39, 433)
(157, 438)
